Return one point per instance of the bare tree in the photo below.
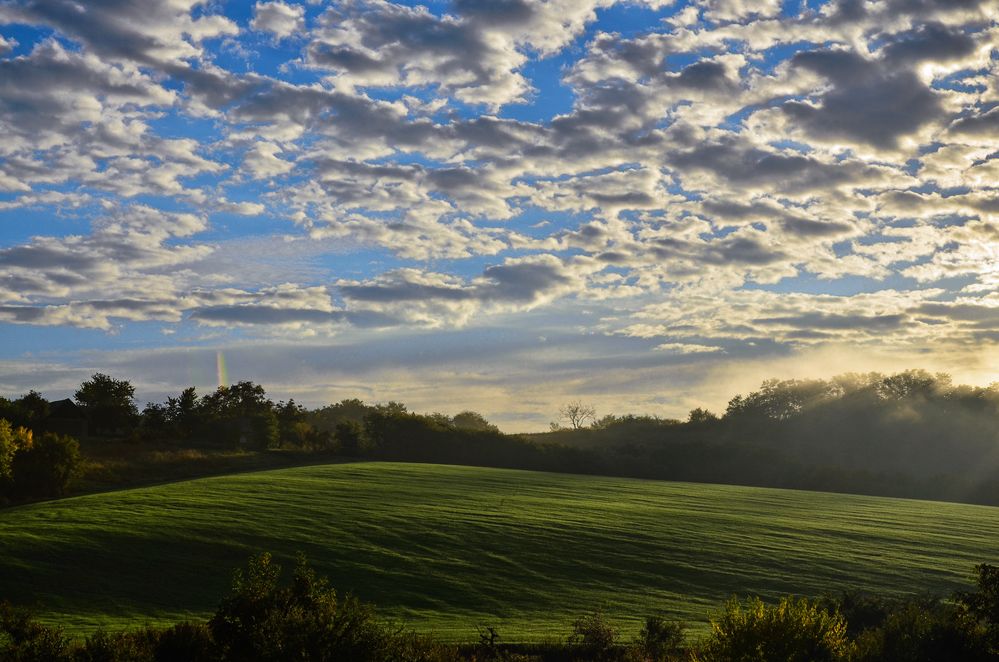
(577, 414)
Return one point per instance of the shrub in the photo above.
(594, 635)
(660, 638)
(186, 642)
(45, 468)
(23, 639)
(923, 630)
(118, 647)
(261, 620)
(795, 630)
(12, 441)
(983, 604)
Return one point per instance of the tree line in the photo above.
(265, 618)
(911, 433)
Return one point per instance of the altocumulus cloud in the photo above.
(662, 191)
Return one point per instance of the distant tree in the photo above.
(780, 400)
(240, 414)
(442, 421)
(700, 415)
(32, 409)
(392, 408)
(294, 431)
(604, 422)
(350, 437)
(910, 383)
(242, 399)
(155, 422)
(325, 419)
(576, 414)
(108, 403)
(184, 414)
(471, 420)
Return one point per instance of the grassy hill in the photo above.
(447, 548)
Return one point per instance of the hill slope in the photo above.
(448, 548)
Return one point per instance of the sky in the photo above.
(498, 205)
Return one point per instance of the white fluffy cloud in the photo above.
(278, 18)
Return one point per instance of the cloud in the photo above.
(130, 30)
(867, 103)
(279, 18)
(262, 161)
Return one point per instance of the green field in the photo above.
(446, 549)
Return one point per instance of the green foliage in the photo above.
(23, 639)
(795, 630)
(982, 605)
(474, 421)
(660, 639)
(594, 636)
(307, 620)
(45, 468)
(109, 404)
(118, 647)
(700, 416)
(350, 438)
(12, 441)
(922, 631)
(184, 413)
(29, 411)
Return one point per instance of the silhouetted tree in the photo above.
(350, 437)
(700, 416)
(576, 414)
(108, 403)
(471, 420)
(184, 413)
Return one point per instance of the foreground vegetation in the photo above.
(262, 618)
(448, 549)
(910, 434)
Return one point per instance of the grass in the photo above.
(446, 549)
(115, 464)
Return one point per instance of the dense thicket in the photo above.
(263, 618)
(909, 434)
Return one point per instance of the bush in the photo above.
(185, 642)
(795, 630)
(594, 635)
(118, 647)
(660, 639)
(23, 639)
(983, 604)
(45, 468)
(12, 441)
(923, 630)
(307, 620)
